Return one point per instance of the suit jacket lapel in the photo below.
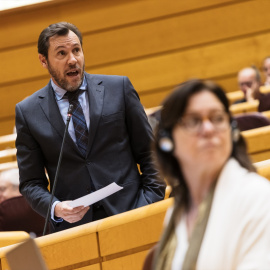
(50, 108)
(96, 94)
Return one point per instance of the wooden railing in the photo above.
(118, 242)
(10, 238)
(258, 143)
(238, 94)
(245, 107)
(7, 141)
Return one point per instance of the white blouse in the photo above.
(237, 235)
(182, 244)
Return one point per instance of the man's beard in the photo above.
(62, 82)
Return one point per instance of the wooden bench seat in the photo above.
(235, 109)
(263, 168)
(7, 141)
(258, 143)
(244, 107)
(234, 96)
(8, 165)
(8, 155)
(266, 114)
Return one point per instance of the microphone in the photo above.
(69, 114)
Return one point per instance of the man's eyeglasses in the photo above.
(248, 84)
(193, 122)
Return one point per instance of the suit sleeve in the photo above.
(33, 180)
(141, 136)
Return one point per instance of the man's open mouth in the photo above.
(73, 73)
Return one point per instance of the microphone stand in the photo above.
(69, 114)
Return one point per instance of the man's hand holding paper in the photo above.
(68, 213)
(96, 196)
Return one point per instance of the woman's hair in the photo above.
(172, 110)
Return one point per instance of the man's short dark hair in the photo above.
(60, 29)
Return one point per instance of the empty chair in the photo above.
(17, 215)
(251, 120)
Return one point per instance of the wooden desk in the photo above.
(117, 242)
(258, 143)
(7, 141)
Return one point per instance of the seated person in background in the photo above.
(220, 218)
(15, 212)
(9, 184)
(249, 81)
(266, 70)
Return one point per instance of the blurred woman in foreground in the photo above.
(221, 215)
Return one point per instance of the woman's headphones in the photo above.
(165, 141)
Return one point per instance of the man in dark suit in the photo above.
(249, 81)
(104, 144)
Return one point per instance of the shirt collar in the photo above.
(60, 92)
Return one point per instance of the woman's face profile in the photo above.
(203, 135)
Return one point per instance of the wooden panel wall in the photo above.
(157, 43)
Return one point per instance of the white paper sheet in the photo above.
(96, 196)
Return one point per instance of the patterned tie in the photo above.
(80, 127)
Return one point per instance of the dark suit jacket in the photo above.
(17, 215)
(119, 139)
